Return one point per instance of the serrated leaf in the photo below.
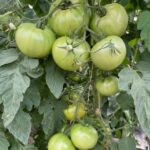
(52, 111)
(4, 144)
(125, 101)
(48, 122)
(18, 146)
(143, 25)
(30, 147)
(1, 99)
(32, 97)
(97, 147)
(30, 63)
(13, 85)
(31, 67)
(54, 78)
(114, 146)
(8, 56)
(58, 106)
(20, 127)
(127, 143)
(138, 85)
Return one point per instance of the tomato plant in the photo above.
(70, 54)
(84, 137)
(60, 142)
(107, 86)
(91, 88)
(108, 53)
(34, 42)
(114, 22)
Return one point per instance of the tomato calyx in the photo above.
(101, 11)
(66, 4)
(112, 47)
(40, 25)
(70, 47)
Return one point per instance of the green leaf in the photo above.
(54, 78)
(58, 107)
(3, 38)
(1, 100)
(20, 127)
(4, 144)
(13, 85)
(42, 7)
(138, 85)
(30, 147)
(125, 101)
(97, 147)
(32, 97)
(5, 5)
(127, 143)
(18, 146)
(30, 63)
(8, 56)
(52, 111)
(48, 122)
(31, 67)
(114, 146)
(143, 25)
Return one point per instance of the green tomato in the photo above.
(70, 54)
(71, 96)
(60, 141)
(107, 86)
(75, 111)
(34, 42)
(84, 137)
(108, 53)
(67, 22)
(113, 23)
(75, 77)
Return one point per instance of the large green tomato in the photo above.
(70, 54)
(60, 141)
(34, 42)
(107, 86)
(113, 23)
(75, 111)
(84, 137)
(67, 22)
(108, 53)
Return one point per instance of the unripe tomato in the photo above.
(84, 137)
(75, 77)
(107, 86)
(70, 54)
(60, 141)
(68, 21)
(108, 53)
(34, 42)
(75, 111)
(113, 23)
(72, 96)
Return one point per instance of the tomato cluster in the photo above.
(82, 137)
(64, 38)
